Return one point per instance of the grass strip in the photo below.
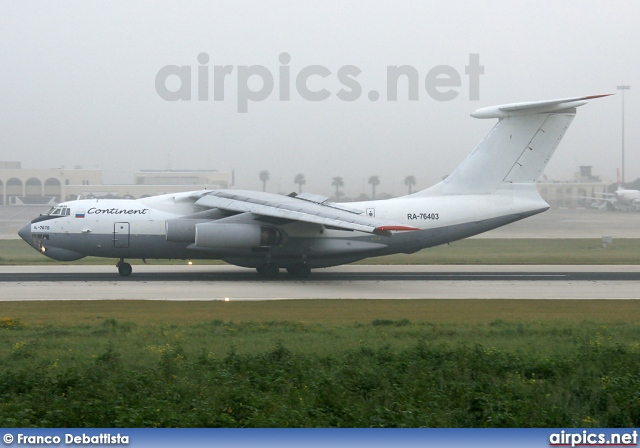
(468, 251)
(325, 312)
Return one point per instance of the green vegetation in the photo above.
(351, 363)
(469, 251)
(321, 312)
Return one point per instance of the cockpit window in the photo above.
(59, 211)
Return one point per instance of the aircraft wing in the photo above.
(306, 208)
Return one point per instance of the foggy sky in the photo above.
(78, 86)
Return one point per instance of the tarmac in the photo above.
(342, 282)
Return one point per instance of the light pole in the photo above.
(623, 88)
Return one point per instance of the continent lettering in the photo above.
(116, 211)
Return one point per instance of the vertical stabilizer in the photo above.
(518, 147)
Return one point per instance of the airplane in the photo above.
(622, 199)
(626, 199)
(493, 186)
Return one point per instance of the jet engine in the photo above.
(182, 230)
(220, 235)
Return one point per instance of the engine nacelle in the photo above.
(182, 230)
(221, 235)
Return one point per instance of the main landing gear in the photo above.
(124, 268)
(268, 270)
(299, 270)
(271, 270)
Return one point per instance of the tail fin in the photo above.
(518, 147)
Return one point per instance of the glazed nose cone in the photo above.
(25, 232)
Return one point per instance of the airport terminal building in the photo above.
(49, 186)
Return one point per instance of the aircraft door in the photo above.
(121, 234)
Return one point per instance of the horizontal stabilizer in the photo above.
(533, 107)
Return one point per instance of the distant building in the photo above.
(49, 186)
(188, 177)
(571, 194)
(20, 186)
(582, 192)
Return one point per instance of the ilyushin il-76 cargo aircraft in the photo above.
(493, 186)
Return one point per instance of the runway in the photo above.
(345, 282)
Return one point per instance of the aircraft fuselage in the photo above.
(143, 229)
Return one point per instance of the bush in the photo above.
(414, 375)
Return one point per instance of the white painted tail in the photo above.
(516, 150)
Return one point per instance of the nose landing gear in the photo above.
(124, 268)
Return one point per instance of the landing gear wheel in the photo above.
(268, 270)
(300, 270)
(125, 269)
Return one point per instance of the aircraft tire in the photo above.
(268, 270)
(299, 270)
(125, 269)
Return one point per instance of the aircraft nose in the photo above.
(25, 232)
